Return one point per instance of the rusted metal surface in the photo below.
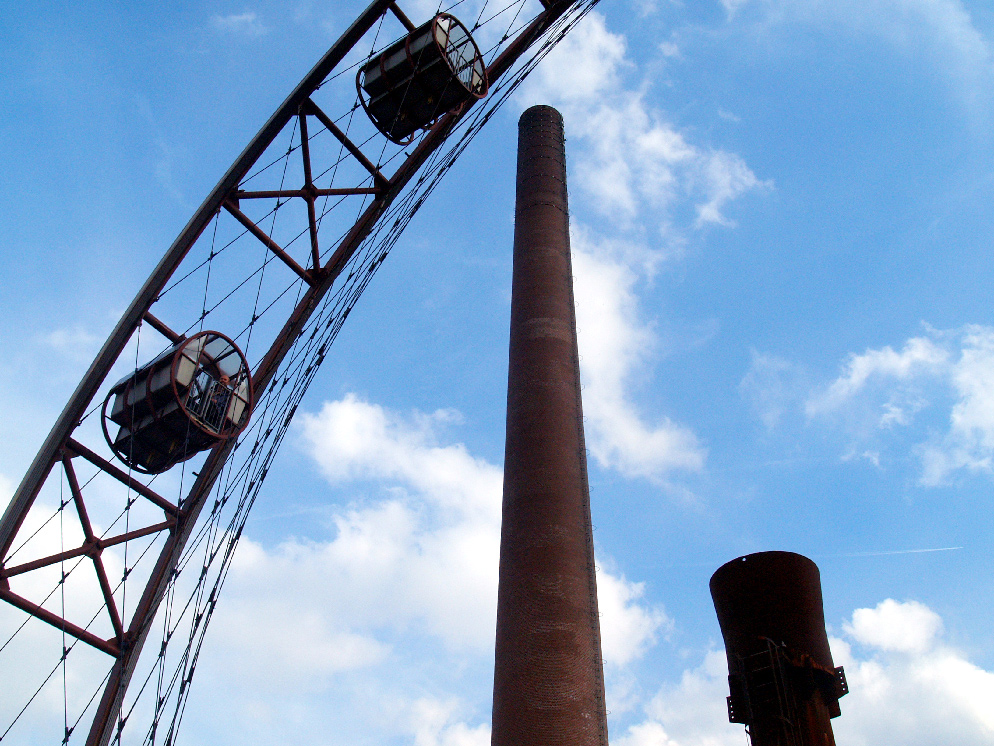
(90, 547)
(161, 327)
(308, 194)
(402, 17)
(269, 243)
(548, 679)
(309, 107)
(107, 646)
(784, 685)
(128, 480)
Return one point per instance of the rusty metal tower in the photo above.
(548, 679)
(784, 686)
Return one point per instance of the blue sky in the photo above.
(782, 247)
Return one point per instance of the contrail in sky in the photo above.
(899, 551)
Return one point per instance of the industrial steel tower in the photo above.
(548, 679)
(783, 685)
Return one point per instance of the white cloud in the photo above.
(920, 356)
(418, 555)
(351, 439)
(632, 163)
(427, 552)
(909, 627)
(614, 346)
(973, 381)
(585, 65)
(304, 644)
(627, 628)
(244, 24)
(911, 688)
(726, 177)
(631, 166)
(690, 713)
(408, 574)
(432, 723)
(638, 167)
(394, 613)
(649, 733)
(895, 387)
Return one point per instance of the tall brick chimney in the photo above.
(548, 679)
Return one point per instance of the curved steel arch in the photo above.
(316, 277)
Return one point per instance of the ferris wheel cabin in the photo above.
(191, 397)
(414, 81)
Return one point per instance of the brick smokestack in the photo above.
(548, 678)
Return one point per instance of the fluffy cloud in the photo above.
(433, 725)
(919, 357)
(416, 556)
(908, 627)
(393, 612)
(692, 712)
(354, 440)
(627, 627)
(906, 687)
(630, 165)
(614, 345)
(425, 552)
(889, 389)
(649, 733)
(583, 66)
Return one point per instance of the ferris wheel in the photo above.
(118, 540)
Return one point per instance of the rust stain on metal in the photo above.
(548, 680)
(784, 685)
